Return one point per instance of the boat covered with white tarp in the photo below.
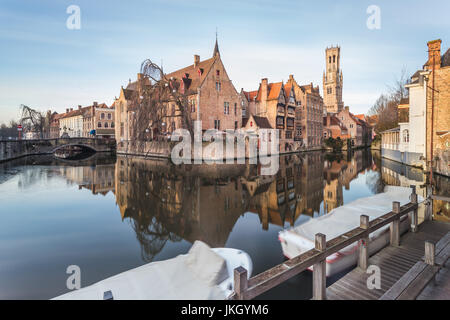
(201, 274)
(299, 239)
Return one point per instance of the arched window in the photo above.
(106, 124)
(406, 135)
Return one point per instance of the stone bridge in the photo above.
(12, 149)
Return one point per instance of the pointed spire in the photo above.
(216, 47)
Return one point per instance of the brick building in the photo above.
(353, 125)
(438, 108)
(212, 98)
(308, 115)
(98, 120)
(333, 128)
(54, 125)
(272, 102)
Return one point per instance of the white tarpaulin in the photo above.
(194, 276)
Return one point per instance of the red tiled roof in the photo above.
(193, 76)
(250, 95)
(273, 91)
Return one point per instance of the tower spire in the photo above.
(216, 47)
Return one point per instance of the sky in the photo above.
(46, 65)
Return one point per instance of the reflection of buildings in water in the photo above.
(441, 209)
(339, 173)
(332, 191)
(311, 182)
(163, 204)
(97, 178)
(397, 174)
(275, 198)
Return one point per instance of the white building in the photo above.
(406, 143)
(417, 115)
(72, 123)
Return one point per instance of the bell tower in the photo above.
(333, 81)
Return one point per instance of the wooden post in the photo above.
(240, 282)
(414, 216)
(429, 205)
(395, 225)
(363, 248)
(430, 252)
(320, 271)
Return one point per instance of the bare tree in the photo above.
(386, 106)
(155, 104)
(32, 120)
(398, 91)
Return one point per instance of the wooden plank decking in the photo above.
(394, 262)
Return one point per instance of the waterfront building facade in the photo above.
(211, 95)
(71, 123)
(271, 102)
(308, 115)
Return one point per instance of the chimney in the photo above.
(71, 109)
(196, 60)
(67, 110)
(79, 107)
(264, 89)
(434, 51)
(95, 103)
(347, 108)
(140, 76)
(291, 77)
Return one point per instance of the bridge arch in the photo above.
(86, 146)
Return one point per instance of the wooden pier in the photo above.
(406, 268)
(394, 263)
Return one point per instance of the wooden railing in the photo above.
(250, 288)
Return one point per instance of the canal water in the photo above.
(110, 214)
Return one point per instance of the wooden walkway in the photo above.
(394, 262)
